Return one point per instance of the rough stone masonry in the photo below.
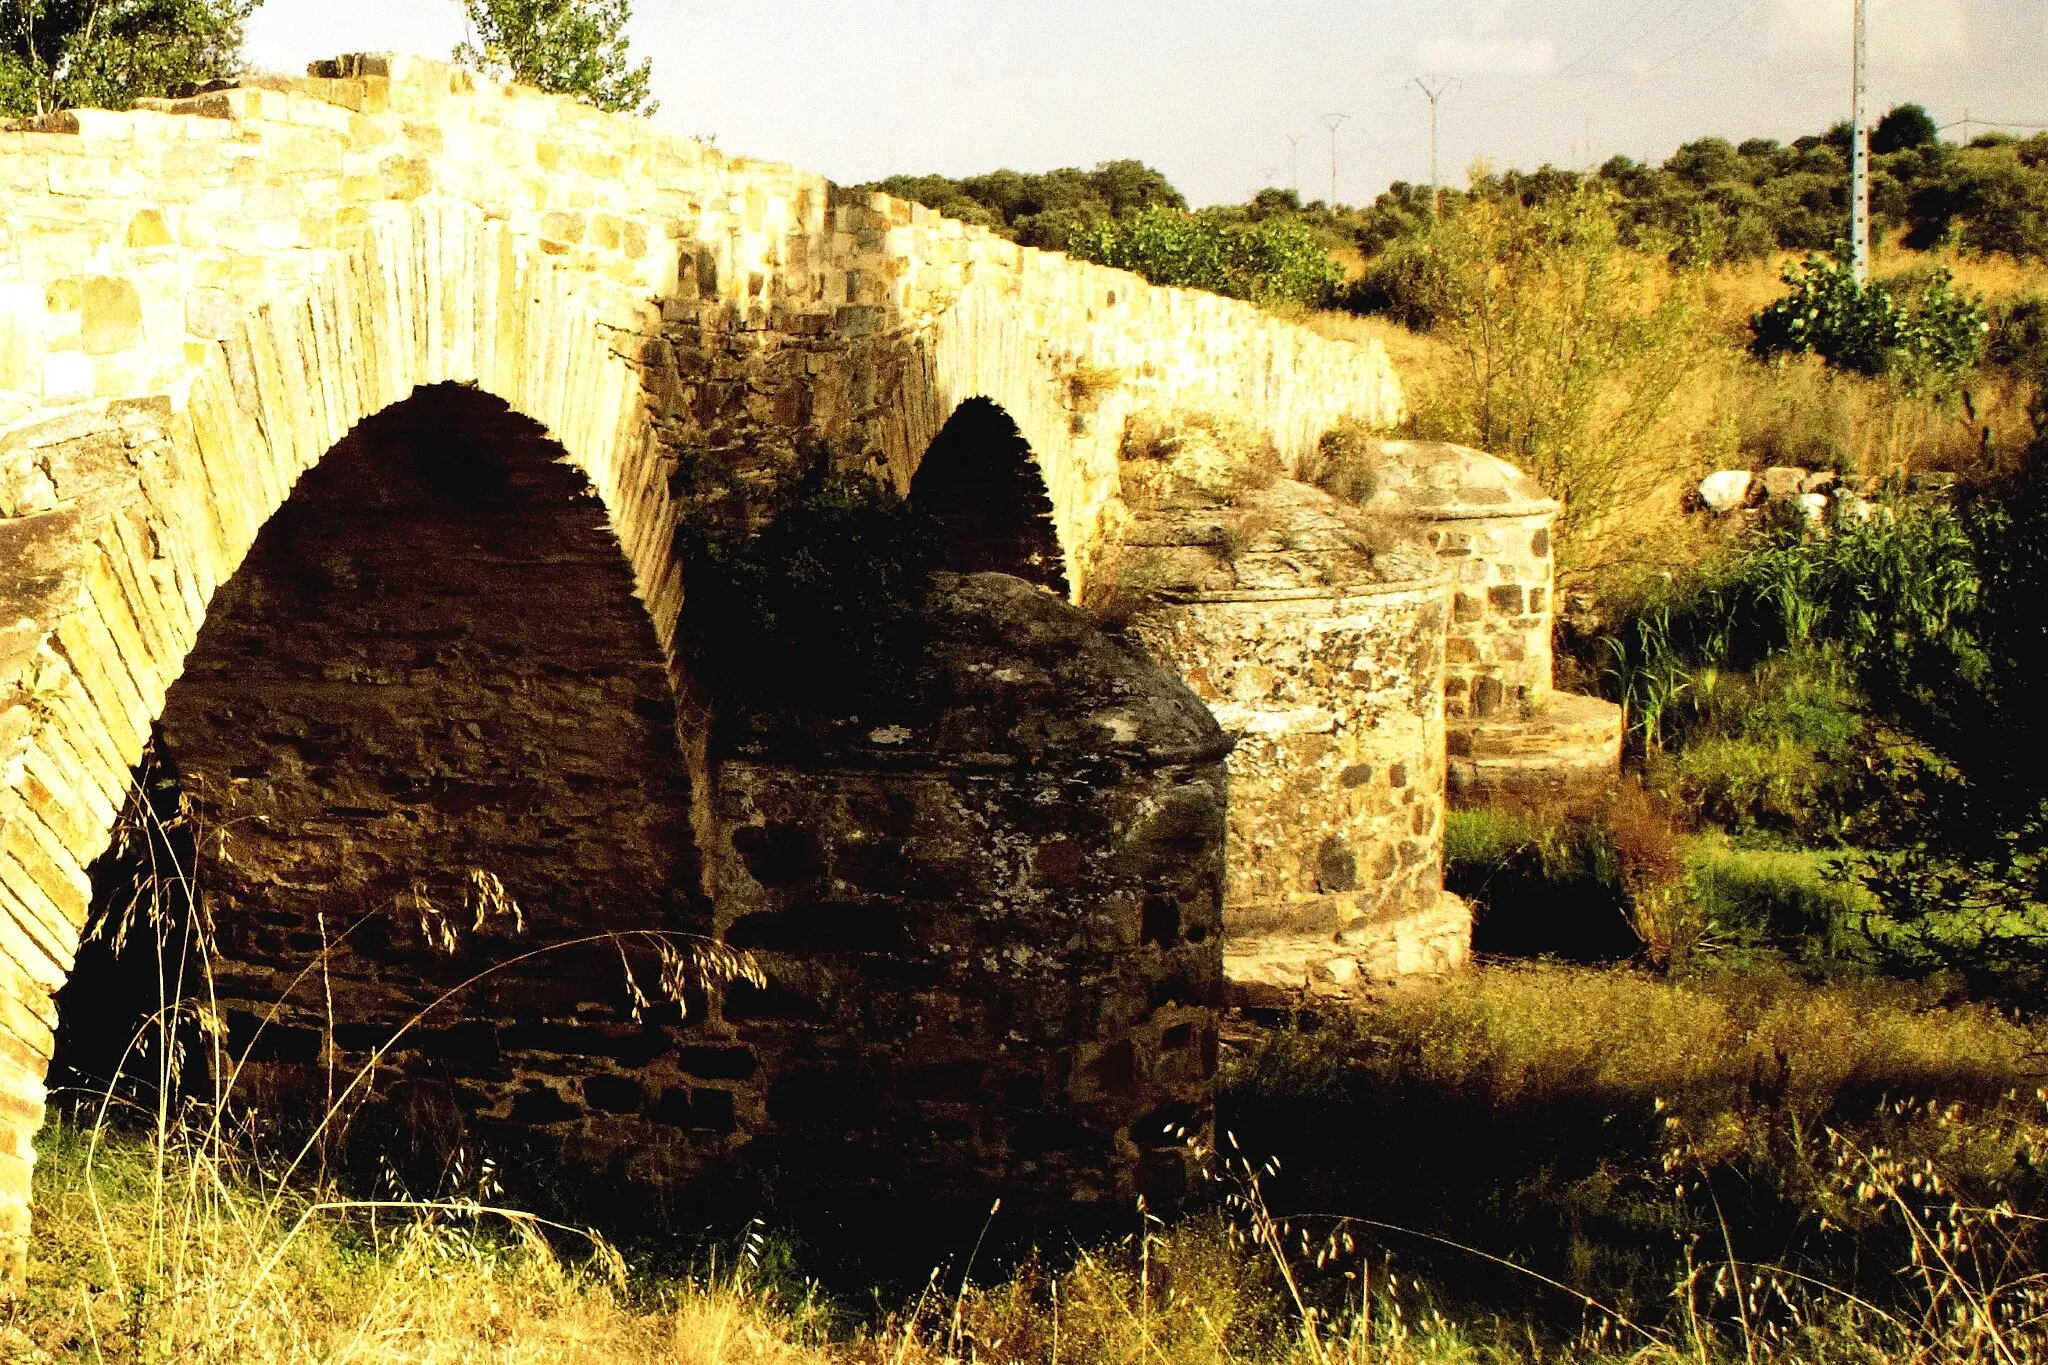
(201, 298)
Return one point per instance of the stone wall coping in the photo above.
(1444, 481)
(1435, 583)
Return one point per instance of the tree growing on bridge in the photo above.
(568, 47)
(106, 54)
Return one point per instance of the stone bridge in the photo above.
(199, 299)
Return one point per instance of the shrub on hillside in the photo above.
(1572, 349)
(1040, 209)
(1989, 199)
(1868, 328)
(1272, 260)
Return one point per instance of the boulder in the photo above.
(1724, 490)
(1783, 481)
(1814, 506)
(1819, 481)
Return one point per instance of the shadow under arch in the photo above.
(979, 480)
(427, 729)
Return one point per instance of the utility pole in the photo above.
(1859, 163)
(1294, 160)
(1334, 120)
(1433, 88)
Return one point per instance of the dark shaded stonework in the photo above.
(979, 481)
(995, 924)
(430, 672)
(990, 927)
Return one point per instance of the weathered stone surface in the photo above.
(996, 923)
(1490, 525)
(1509, 734)
(1783, 482)
(1565, 750)
(202, 297)
(432, 668)
(1316, 635)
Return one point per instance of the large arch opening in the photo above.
(979, 480)
(427, 738)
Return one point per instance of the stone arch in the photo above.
(431, 669)
(981, 482)
(153, 503)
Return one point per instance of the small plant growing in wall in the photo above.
(818, 607)
(1345, 462)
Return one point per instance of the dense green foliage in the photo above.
(1273, 260)
(106, 54)
(1886, 693)
(1043, 210)
(1713, 200)
(1126, 214)
(818, 607)
(569, 47)
(1868, 328)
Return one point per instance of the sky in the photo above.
(1230, 97)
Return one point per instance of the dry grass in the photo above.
(160, 1252)
(1728, 411)
(1425, 363)
(1536, 1032)
(1217, 452)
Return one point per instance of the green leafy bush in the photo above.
(1867, 328)
(819, 607)
(1272, 260)
(568, 47)
(63, 54)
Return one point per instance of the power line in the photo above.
(1668, 58)
(1587, 53)
(1970, 120)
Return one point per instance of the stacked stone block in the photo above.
(992, 919)
(1510, 734)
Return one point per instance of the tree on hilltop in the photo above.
(567, 47)
(106, 54)
(1904, 126)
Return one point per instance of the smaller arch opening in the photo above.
(978, 480)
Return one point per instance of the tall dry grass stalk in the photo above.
(165, 1231)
